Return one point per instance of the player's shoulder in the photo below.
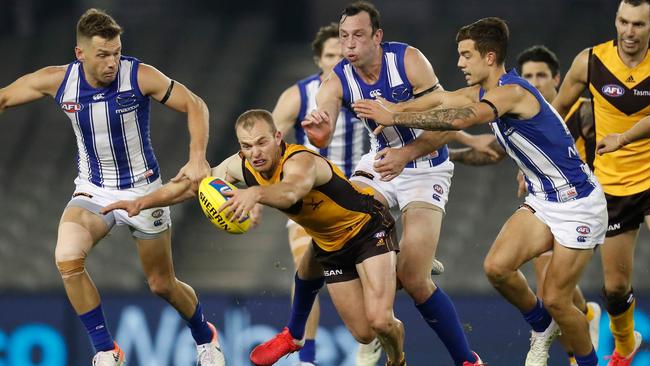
(309, 79)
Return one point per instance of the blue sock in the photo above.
(199, 326)
(97, 330)
(589, 360)
(303, 299)
(440, 314)
(538, 318)
(308, 351)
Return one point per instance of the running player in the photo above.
(565, 209)
(617, 74)
(353, 236)
(540, 67)
(106, 96)
(407, 168)
(344, 150)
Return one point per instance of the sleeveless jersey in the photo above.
(543, 149)
(346, 148)
(580, 122)
(621, 97)
(111, 126)
(331, 213)
(394, 86)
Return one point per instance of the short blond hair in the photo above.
(247, 119)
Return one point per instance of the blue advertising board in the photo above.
(42, 330)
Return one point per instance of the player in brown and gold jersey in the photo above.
(617, 74)
(353, 234)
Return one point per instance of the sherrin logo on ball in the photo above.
(211, 198)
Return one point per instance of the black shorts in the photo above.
(375, 238)
(626, 213)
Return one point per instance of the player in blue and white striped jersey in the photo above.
(565, 210)
(106, 96)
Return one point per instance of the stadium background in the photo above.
(240, 55)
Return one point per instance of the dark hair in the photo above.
(539, 53)
(359, 6)
(96, 22)
(490, 35)
(324, 33)
(636, 3)
(247, 119)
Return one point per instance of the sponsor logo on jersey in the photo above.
(583, 229)
(125, 99)
(641, 93)
(375, 93)
(71, 107)
(613, 90)
(98, 96)
(158, 222)
(582, 239)
(401, 93)
(436, 197)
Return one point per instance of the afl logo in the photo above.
(583, 229)
(438, 188)
(613, 90)
(125, 99)
(401, 93)
(71, 107)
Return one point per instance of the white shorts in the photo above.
(577, 224)
(149, 224)
(430, 184)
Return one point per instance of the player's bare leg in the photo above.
(79, 230)
(156, 258)
(564, 271)
(366, 305)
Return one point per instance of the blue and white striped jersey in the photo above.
(111, 126)
(347, 145)
(394, 86)
(543, 149)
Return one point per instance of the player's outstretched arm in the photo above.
(176, 96)
(169, 194)
(31, 87)
(287, 109)
(319, 125)
(615, 141)
(495, 103)
(574, 84)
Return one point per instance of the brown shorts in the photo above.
(375, 238)
(626, 213)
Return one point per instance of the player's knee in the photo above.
(618, 288)
(381, 322)
(412, 281)
(71, 267)
(495, 271)
(161, 285)
(617, 303)
(363, 336)
(556, 302)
